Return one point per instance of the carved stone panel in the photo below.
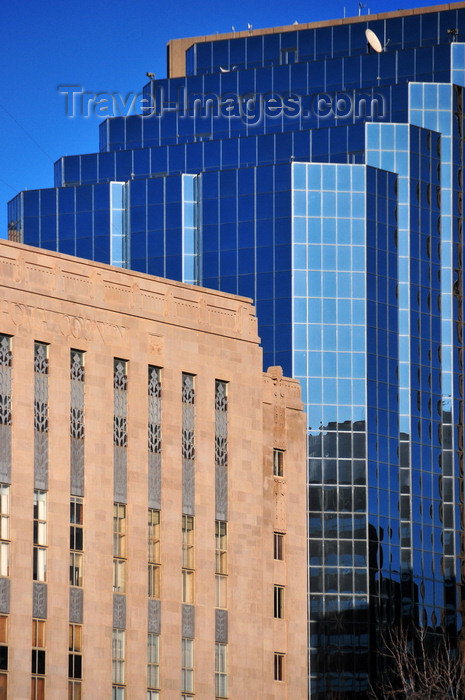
(39, 600)
(77, 427)
(5, 454)
(221, 492)
(41, 461)
(119, 611)
(188, 487)
(76, 604)
(154, 480)
(188, 621)
(154, 616)
(188, 444)
(4, 595)
(77, 467)
(5, 409)
(280, 502)
(120, 474)
(221, 626)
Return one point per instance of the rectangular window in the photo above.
(279, 546)
(221, 563)
(221, 546)
(153, 581)
(3, 655)
(221, 671)
(153, 553)
(187, 559)
(76, 541)
(187, 674)
(38, 660)
(153, 661)
(4, 530)
(154, 535)
(279, 667)
(119, 547)
(75, 569)
(37, 688)
(75, 652)
(279, 601)
(118, 656)
(76, 521)
(278, 462)
(40, 536)
(74, 690)
(221, 591)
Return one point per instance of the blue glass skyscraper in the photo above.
(323, 179)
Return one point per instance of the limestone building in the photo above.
(152, 491)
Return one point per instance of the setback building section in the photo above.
(158, 535)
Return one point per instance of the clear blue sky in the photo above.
(106, 46)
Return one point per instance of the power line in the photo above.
(26, 132)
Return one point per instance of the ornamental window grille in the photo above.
(41, 388)
(221, 424)
(188, 399)
(154, 426)
(120, 385)
(5, 380)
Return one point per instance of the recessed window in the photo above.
(38, 660)
(279, 601)
(118, 655)
(75, 652)
(278, 462)
(221, 670)
(119, 548)
(153, 664)
(279, 667)
(221, 563)
(75, 541)
(279, 546)
(187, 673)
(40, 536)
(153, 553)
(187, 559)
(4, 530)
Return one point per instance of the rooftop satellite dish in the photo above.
(373, 41)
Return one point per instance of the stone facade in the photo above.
(107, 313)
